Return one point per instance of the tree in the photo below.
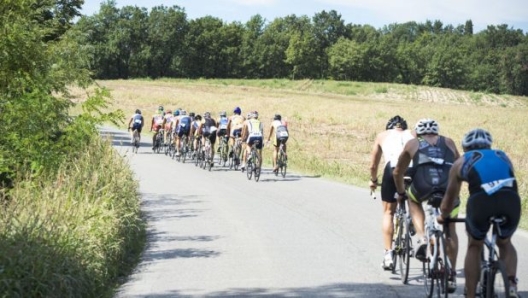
(328, 27)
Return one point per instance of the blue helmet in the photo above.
(177, 113)
(237, 111)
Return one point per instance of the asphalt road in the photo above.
(216, 234)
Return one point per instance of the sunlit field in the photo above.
(333, 124)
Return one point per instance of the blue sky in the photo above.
(373, 12)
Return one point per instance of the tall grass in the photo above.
(73, 233)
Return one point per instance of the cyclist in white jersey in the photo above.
(388, 143)
(252, 132)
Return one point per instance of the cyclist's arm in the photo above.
(130, 122)
(152, 123)
(453, 188)
(271, 132)
(375, 157)
(244, 132)
(403, 163)
(142, 122)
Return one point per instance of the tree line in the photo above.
(133, 42)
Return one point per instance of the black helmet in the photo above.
(138, 111)
(191, 114)
(198, 117)
(396, 122)
(277, 117)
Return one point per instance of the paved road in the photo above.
(216, 234)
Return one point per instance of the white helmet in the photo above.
(426, 126)
(183, 112)
(477, 138)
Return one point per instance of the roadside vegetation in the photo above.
(333, 124)
(70, 222)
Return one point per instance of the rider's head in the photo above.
(396, 122)
(207, 115)
(198, 117)
(255, 114)
(223, 114)
(426, 126)
(477, 138)
(160, 109)
(177, 113)
(138, 111)
(191, 114)
(237, 111)
(169, 111)
(277, 117)
(183, 112)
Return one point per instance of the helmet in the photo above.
(198, 117)
(223, 114)
(426, 126)
(477, 138)
(255, 114)
(177, 113)
(169, 111)
(249, 115)
(138, 111)
(277, 117)
(191, 114)
(160, 108)
(237, 111)
(396, 122)
(207, 115)
(183, 112)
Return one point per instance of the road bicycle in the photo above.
(235, 156)
(494, 282)
(253, 163)
(199, 153)
(168, 147)
(135, 141)
(437, 269)
(208, 160)
(184, 150)
(403, 231)
(158, 141)
(223, 149)
(282, 160)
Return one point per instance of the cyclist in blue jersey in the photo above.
(492, 192)
(222, 122)
(136, 123)
(182, 128)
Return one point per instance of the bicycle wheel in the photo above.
(404, 253)
(430, 268)
(184, 150)
(398, 239)
(283, 164)
(249, 169)
(257, 168)
(498, 285)
(236, 158)
(444, 266)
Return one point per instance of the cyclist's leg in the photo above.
(472, 265)
(389, 204)
(212, 138)
(452, 242)
(418, 218)
(275, 154)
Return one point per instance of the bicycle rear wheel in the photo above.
(498, 285)
(257, 169)
(444, 267)
(430, 268)
(404, 253)
(282, 163)
(249, 169)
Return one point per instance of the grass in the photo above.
(72, 234)
(333, 124)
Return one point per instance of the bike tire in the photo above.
(249, 169)
(398, 240)
(498, 284)
(405, 253)
(283, 165)
(444, 266)
(257, 169)
(428, 274)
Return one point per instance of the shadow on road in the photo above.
(331, 290)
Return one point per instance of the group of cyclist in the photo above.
(434, 164)
(249, 129)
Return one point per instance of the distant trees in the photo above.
(133, 42)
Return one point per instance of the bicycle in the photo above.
(168, 146)
(135, 141)
(207, 162)
(235, 156)
(494, 280)
(436, 266)
(199, 154)
(253, 163)
(224, 150)
(282, 160)
(403, 231)
(184, 148)
(158, 140)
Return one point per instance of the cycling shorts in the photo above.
(481, 206)
(237, 133)
(253, 140)
(156, 127)
(278, 141)
(136, 126)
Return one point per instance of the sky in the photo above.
(377, 13)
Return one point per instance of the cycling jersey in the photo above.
(393, 144)
(431, 165)
(158, 121)
(237, 122)
(254, 128)
(137, 122)
(168, 119)
(222, 126)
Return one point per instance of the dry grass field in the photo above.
(333, 124)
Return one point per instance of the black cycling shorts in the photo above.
(480, 207)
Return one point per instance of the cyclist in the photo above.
(492, 192)
(208, 129)
(252, 132)
(167, 120)
(156, 124)
(432, 156)
(195, 133)
(183, 128)
(278, 129)
(234, 126)
(223, 122)
(388, 143)
(137, 123)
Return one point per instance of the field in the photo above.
(333, 124)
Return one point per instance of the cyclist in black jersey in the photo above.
(432, 156)
(492, 192)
